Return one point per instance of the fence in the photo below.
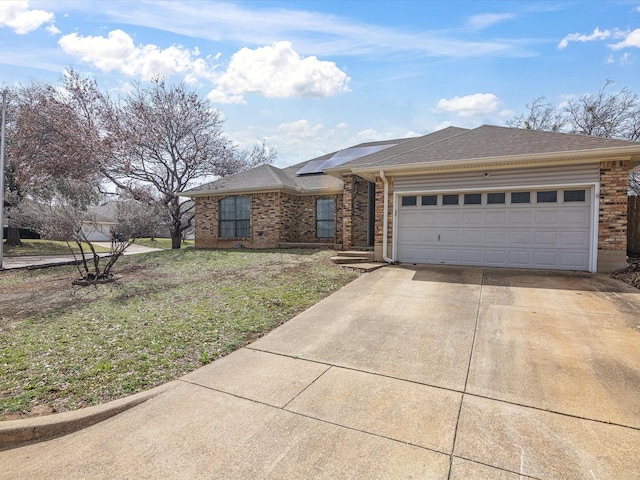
(633, 227)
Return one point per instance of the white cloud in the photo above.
(579, 37)
(117, 52)
(300, 129)
(632, 40)
(486, 20)
(17, 15)
(278, 71)
(368, 134)
(470, 105)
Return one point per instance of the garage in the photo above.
(545, 228)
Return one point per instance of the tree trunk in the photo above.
(13, 236)
(176, 238)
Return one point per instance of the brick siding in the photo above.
(276, 217)
(612, 225)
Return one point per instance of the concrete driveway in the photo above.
(423, 372)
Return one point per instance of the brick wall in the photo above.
(347, 210)
(612, 225)
(360, 217)
(275, 217)
(380, 212)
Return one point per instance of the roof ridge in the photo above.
(465, 130)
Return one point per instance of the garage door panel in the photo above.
(573, 260)
(473, 237)
(546, 217)
(496, 237)
(548, 239)
(496, 258)
(519, 258)
(520, 216)
(409, 219)
(427, 236)
(473, 256)
(453, 217)
(496, 217)
(574, 238)
(577, 217)
(532, 235)
(450, 237)
(450, 255)
(548, 259)
(473, 217)
(520, 237)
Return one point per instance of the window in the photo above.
(495, 198)
(325, 208)
(472, 198)
(574, 196)
(547, 196)
(521, 197)
(429, 199)
(450, 199)
(409, 201)
(234, 217)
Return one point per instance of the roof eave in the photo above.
(240, 191)
(631, 154)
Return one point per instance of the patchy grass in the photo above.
(164, 243)
(44, 247)
(67, 347)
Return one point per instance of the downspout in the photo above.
(385, 218)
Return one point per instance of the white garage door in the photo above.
(546, 228)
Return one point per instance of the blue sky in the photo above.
(316, 76)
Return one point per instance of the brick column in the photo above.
(347, 212)
(379, 218)
(612, 223)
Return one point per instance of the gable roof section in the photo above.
(490, 144)
(408, 146)
(269, 178)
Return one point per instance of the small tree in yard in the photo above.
(62, 213)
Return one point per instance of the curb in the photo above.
(18, 433)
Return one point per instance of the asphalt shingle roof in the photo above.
(452, 144)
(268, 177)
(487, 141)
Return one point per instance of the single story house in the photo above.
(489, 196)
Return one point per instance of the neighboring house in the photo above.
(489, 196)
(102, 222)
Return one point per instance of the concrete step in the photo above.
(364, 267)
(356, 253)
(340, 260)
(330, 246)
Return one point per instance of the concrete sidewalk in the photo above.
(36, 261)
(429, 373)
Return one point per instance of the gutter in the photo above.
(385, 219)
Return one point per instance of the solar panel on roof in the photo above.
(311, 167)
(343, 156)
(348, 154)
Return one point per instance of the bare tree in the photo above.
(612, 115)
(605, 114)
(540, 116)
(168, 137)
(54, 133)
